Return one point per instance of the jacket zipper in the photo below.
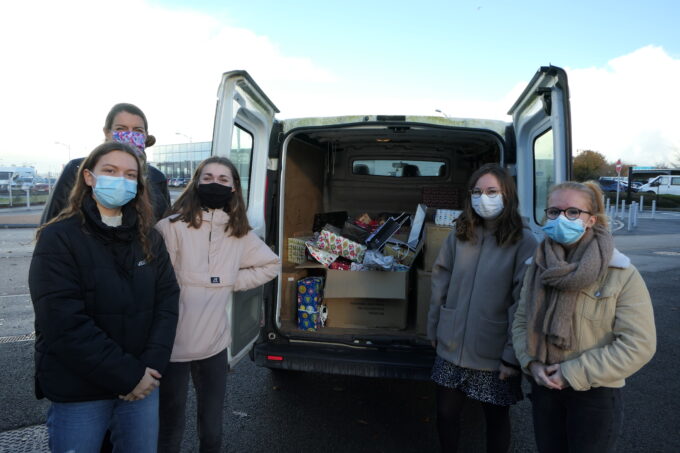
(212, 215)
(467, 308)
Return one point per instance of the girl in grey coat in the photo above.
(476, 282)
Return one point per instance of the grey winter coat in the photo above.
(475, 289)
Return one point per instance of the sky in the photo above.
(65, 64)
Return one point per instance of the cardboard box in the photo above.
(435, 235)
(366, 284)
(424, 292)
(367, 313)
(288, 310)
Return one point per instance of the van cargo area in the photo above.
(372, 169)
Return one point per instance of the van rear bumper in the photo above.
(410, 363)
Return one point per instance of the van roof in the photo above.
(496, 126)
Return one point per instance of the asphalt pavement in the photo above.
(295, 412)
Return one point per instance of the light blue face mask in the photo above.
(114, 191)
(563, 230)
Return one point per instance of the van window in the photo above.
(544, 172)
(242, 157)
(664, 180)
(399, 168)
(675, 181)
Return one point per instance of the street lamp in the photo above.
(185, 135)
(444, 114)
(68, 147)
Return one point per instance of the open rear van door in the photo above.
(243, 124)
(542, 123)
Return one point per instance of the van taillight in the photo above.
(275, 358)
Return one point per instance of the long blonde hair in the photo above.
(595, 197)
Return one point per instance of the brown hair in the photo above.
(594, 195)
(509, 229)
(80, 190)
(189, 208)
(132, 110)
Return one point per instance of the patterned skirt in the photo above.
(484, 386)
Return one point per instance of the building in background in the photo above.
(179, 160)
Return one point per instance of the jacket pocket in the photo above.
(445, 327)
(597, 305)
(491, 338)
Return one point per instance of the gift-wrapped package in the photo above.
(335, 243)
(310, 298)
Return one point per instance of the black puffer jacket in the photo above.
(158, 191)
(102, 313)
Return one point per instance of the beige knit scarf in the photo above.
(553, 284)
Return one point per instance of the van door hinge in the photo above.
(546, 99)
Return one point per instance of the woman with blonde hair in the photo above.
(584, 324)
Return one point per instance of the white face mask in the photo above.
(487, 207)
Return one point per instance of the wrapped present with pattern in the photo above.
(335, 243)
(309, 302)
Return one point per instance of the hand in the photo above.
(556, 376)
(506, 372)
(146, 385)
(541, 375)
(434, 344)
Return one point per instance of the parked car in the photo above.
(662, 185)
(609, 185)
(299, 167)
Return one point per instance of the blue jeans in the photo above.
(80, 427)
(569, 421)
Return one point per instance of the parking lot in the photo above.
(293, 412)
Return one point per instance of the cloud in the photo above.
(64, 70)
(628, 109)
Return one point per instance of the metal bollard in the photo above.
(630, 218)
(634, 209)
(653, 208)
(606, 204)
(642, 202)
(623, 209)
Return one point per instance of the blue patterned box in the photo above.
(309, 299)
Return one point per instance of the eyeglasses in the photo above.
(491, 192)
(571, 213)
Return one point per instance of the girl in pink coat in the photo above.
(214, 253)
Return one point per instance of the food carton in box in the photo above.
(366, 299)
(367, 313)
(297, 250)
(435, 235)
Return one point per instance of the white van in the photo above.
(296, 168)
(662, 185)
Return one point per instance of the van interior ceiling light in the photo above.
(383, 140)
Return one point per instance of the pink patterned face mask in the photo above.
(136, 139)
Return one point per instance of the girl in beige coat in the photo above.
(584, 323)
(214, 253)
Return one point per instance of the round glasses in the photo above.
(491, 192)
(570, 213)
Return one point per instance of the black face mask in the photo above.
(214, 195)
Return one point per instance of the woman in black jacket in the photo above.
(105, 299)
